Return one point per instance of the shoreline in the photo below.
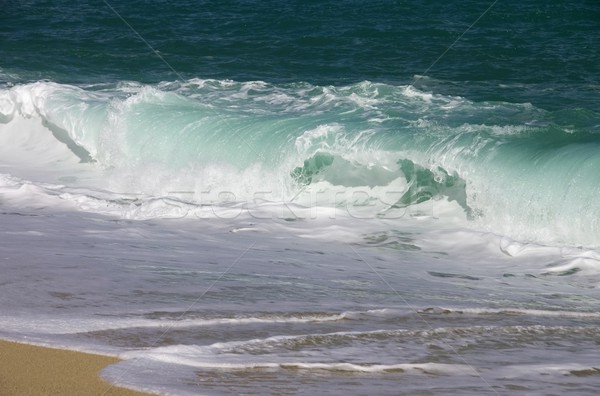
(27, 370)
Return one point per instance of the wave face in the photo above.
(513, 169)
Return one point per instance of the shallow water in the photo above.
(220, 307)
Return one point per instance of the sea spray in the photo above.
(513, 169)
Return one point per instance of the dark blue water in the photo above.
(538, 52)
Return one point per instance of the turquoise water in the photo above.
(508, 106)
(404, 192)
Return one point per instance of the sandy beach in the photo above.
(33, 370)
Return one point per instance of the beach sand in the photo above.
(33, 370)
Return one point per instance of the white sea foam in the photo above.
(231, 150)
(510, 311)
(196, 357)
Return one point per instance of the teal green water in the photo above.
(492, 105)
(538, 52)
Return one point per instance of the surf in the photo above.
(512, 169)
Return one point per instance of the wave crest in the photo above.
(512, 168)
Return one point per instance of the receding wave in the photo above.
(329, 351)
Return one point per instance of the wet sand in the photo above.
(32, 370)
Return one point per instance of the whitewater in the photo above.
(512, 169)
(251, 237)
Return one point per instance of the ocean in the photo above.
(305, 198)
